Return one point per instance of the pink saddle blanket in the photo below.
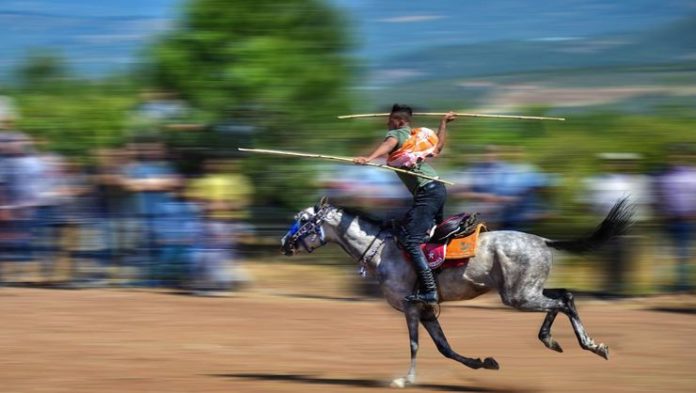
(435, 254)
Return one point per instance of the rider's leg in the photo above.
(428, 288)
(427, 207)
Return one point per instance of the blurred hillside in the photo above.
(104, 37)
(670, 44)
(639, 69)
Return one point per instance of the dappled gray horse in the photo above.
(516, 264)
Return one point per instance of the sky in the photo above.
(105, 35)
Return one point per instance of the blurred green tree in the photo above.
(42, 70)
(71, 115)
(280, 66)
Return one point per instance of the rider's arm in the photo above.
(442, 131)
(384, 148)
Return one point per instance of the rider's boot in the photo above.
(428, 288)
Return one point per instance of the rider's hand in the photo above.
(449, 116)
(360, 160)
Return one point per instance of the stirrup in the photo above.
(429, 298)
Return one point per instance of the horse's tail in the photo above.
(616, 223)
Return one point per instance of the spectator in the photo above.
(111, 200)
(379, 191)
(7, 115)
(479, 190)
(676, 194)
(6, 230)
(619, 178)
(504, 188)
(225, 195)
(522, 186)
(151, 180)
(177, 232)
(47, 228)
(74, 216)
(22, 176)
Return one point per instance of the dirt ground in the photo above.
(288, 340)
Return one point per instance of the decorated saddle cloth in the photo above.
(419, 146)
(454, 253)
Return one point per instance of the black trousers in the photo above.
(426, 211)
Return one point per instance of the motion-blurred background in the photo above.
(120, 122)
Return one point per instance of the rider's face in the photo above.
(394, 122)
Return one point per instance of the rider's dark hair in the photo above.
(402, 111)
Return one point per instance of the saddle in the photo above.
(452, 242)
(456, 226)
(455, 251)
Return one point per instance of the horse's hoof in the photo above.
(490, 364)
(552, 344)
(602, 350)
(401, 383)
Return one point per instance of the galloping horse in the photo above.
(516, 264)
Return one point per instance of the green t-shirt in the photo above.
(411, 182)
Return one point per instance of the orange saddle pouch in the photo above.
(464, 247)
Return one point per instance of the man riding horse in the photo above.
(407, 148)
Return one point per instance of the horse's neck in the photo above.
(354, 234)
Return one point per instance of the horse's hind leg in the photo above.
(432, 325)
(583, 338)
(558, 300)
(532, 300)
(413, 315)
(545, 331)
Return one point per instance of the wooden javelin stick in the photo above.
(365, 115)
(343, 159)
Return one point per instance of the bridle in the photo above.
(306, 226)
(303, 228)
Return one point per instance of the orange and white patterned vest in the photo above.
(419, 146)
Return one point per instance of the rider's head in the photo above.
(399, 116)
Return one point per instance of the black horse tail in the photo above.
(616, 223)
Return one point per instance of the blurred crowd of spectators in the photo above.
(126, 216)
(123, 216)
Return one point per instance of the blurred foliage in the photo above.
(282, 65)
(75, 123)
(72, 116)
(42, 70)
(281, 56)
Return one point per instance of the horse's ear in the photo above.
(322, 202)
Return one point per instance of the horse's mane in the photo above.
(363, 215)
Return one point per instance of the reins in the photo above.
(364, 261)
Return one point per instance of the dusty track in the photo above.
(136, 341)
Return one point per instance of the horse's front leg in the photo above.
(413, 316)
(429, 320)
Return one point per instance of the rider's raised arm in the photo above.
(442, 131)
(384, 148)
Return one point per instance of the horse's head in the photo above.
(306, 230)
